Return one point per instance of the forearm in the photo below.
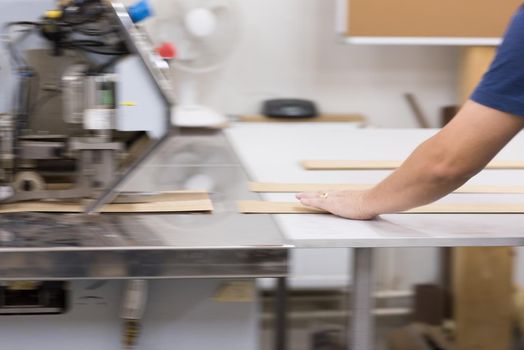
(444, 162)
(420, 180)
(435, 168)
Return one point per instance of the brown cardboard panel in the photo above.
(444, 18)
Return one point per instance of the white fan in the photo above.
(204, 33)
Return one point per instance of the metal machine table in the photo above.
(220, 244)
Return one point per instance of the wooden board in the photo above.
(475, 61)
(164, 196)
(166, 203)
(483, 298)
(325, 118)
(415, 18)
(482, 277)
(268, 207)
(388, 164)
(279, 187)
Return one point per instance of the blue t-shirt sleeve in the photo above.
(502, 87)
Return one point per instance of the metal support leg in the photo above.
(361, 323)
(281, 314)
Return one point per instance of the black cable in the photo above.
(22, 23)
(96, 47)
(86, 42)
(101, 51)
(95, 32)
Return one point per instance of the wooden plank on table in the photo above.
(282, 187)
(268, 207)
(165, 203)
(44, 207)
(324, 118)
(388, 164)
(160, 207)
(164, 196)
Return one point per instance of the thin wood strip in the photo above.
(178, 202)
(267, 207)
(164, 196)
(279, 187)
(324, 118)
(178, 196)
(388, 164)
(160, 207)
(44, 207)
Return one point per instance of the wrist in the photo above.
(364, 206)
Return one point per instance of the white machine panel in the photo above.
(139, 103)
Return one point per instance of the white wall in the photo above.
(289, 48)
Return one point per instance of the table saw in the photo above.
(89, 117)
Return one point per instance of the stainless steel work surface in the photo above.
(271, 153)
(219, 244)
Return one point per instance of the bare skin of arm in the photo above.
(437, 167)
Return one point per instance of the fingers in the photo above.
(314, 199)
(312, 202)
(346, 204)
(302, 195)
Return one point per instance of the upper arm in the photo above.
(495, 112)
(475, 136)
(502, 87)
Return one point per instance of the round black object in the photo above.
(289, 108)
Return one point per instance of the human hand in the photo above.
(347, 204)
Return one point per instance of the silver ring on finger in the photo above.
(324, 195)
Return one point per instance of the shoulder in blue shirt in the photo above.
(502, 87)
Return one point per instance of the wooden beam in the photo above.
(475, 62)
(481, 277)
(483, 303)
(282, 187)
